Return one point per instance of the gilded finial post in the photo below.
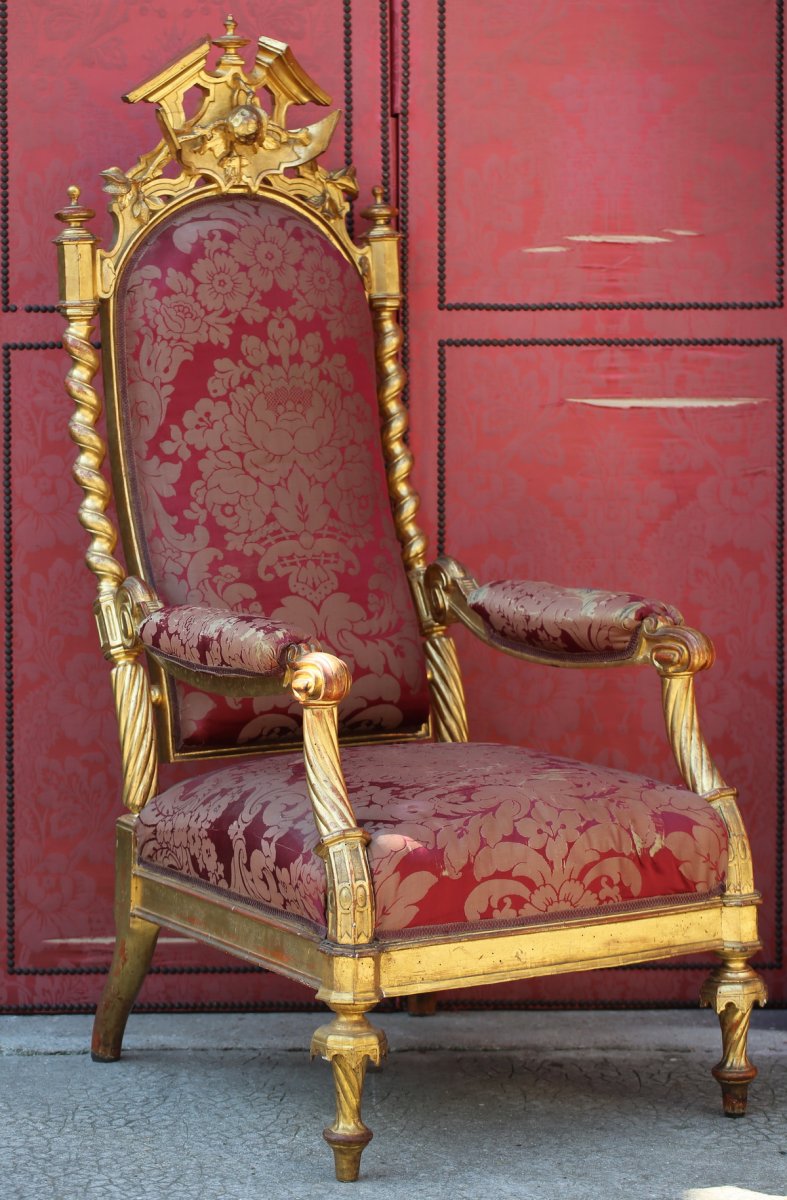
(379, 213)
(79, 304)
(230, 43)
(76, 255)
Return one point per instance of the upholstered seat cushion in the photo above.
(461, 834)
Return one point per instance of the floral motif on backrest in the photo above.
(250, 418)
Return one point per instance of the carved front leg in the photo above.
(348, 1043)
(732, 990)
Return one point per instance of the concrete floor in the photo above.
(470, 1106)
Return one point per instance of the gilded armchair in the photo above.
(350, 837)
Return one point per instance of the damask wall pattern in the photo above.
(601, 412)
(61, 794)
(603, 404)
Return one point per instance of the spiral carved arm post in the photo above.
(678, 653)
(319, 682)
(449, 716)
(79, 304)
(734, 987)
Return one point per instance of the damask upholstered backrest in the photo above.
(253, 469)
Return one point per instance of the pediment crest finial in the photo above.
(230, 43)
(239, 137)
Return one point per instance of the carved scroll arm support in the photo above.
(676, 651)
(245, 655)
(320, 682)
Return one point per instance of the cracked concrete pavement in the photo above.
(469, 1106)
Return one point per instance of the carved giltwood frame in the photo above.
(234, 145)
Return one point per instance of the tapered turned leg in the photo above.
(348, 1043)
(135, 941)
(732, 990)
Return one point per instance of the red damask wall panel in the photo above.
(61, 745)
(591, 192)
(596, 366)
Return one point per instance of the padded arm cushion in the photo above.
(218, 641)
(556, 620)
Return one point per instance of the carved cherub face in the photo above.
(247, 123)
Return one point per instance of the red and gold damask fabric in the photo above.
(460, 834)
(219, 642)
(558, 620)
(250, 405)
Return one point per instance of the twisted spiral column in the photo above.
(320, 682)
(137, 739)
(92, 451)
(129, 682)
(324, 776)
(119, 644)
(449, 717)
(391, 379)
(689, 747)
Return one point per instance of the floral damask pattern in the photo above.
(218, 641)
(460, 834)
(253, 433)
(565, 620)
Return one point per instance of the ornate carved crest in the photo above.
(233, 141)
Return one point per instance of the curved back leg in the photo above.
(135, 942)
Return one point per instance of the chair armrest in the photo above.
(565, 626)
(216, 649)
(558, 620)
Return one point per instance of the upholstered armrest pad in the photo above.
(541, 616)
(218, 641)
